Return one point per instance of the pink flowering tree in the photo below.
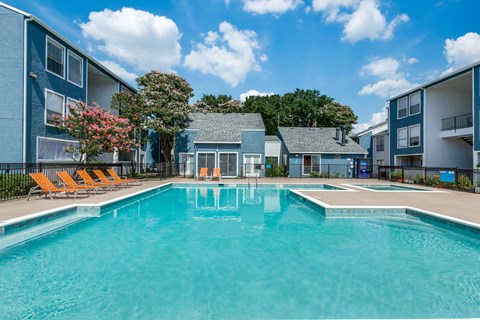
(97, 131)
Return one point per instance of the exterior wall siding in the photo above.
(36, 88)
(11, 86)
(345, 163)
(396, 123)
(381, 155)
(476, 108)
(446, 152)
(366, 142)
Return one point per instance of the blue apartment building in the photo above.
(41, 73)
(233, 142)
(437, 124)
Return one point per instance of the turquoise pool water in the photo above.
(388, 187)
(226, 253)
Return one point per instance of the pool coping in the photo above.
(422, 190)
(91, 209)
(335, 209)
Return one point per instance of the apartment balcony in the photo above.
(458, 126)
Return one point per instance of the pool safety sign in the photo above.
(447, 176)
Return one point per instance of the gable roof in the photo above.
(224, 127)
(317, 140)
(272, 139)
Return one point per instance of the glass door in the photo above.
(228, 164)
(250, 162)
(205, 160)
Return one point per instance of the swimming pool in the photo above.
(235, 253)
(389, 187)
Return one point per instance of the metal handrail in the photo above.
(457, 122)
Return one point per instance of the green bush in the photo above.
(314, 174)
(275, 171)
(396, 175)
(15, 185)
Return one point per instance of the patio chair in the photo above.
(116, 177)
(216, 174)
(89, 181)
(70, 182)
(104, 179)
(203, 175)
(44, 185)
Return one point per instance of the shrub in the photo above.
(314, 174)
(464, 183)
(15, 185)
(396, 176)
(275, 171)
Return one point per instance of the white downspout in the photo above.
(24, 136)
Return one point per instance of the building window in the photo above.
(311, 164)
(251, 164)
(75, 69)
(55, 57)
(380, 162)
(70, 104)
(272, 160)
(380, 143)
(54, 106)
(205, 160)
(402, 138)
(414, 136)
(54, 150)
(414, 103)
(402, 107)
(228, 164)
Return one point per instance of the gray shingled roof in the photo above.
(317, 140)
(224, 127)
(272, 138)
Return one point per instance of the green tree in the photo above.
(335, 114)
(164, 99)
(271, 109)
(304, 106)
(221, 103)
(129, 105)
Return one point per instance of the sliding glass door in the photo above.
(206, 160)
(228, 164)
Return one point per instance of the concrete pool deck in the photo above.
(459, 205)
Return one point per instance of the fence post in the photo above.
(424, 175)
(328, 169)
(40, 169)
(456, 178)
(121, 168)
(403, 174)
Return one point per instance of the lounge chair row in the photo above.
(203, 174)
(70, 186)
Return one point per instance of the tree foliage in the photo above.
(97, 131)
(301, 108)
(221, 103)
(164, 102)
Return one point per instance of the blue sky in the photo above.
(359, 52)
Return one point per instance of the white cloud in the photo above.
(462, 51)
(376, 118)
(230, 56)
(362, 19)
(270, 6)
(119, 70)
(252, 92)
(390, 81)
(142, 39)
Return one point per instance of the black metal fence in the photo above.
(439, 177)
(15, 181)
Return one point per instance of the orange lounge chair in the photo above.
(90, 182)
(203, 175)
(70, 182)
(117, 178)
(44, 185)
(103, 178)
(216, 174)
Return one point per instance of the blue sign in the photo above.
(447, 176)
(269, 166)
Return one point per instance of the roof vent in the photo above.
(344, 134)
(337, 133)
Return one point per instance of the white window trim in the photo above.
(406, 129)
(45, 113)
(218, 161)
(47, 39)
(419, 103)
(311, 155)
(251, 154)
(52, 139)
(398, 109)
(419, 136)
(273, 155)
(69, 52)
(207, 152)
